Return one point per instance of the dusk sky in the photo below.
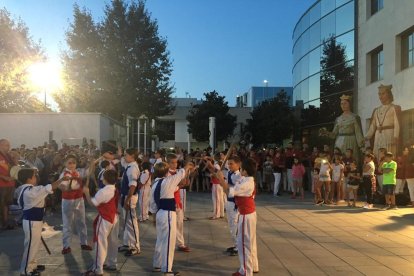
(224, 45)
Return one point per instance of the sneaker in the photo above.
(386, 207)
(172, 273)
(109, 268)
(86, 247)
(370, 206)
(40, 268)
(230, 249)
(234, 252)
(132, 252)
(184, 248)
(66, 250)
(33, 273)
(123, 248)
(393, 207)
(186, 218)
(156, 269)
(213, 218)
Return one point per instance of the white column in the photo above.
(127, 131)
(145, 136)
(212, 132)
(153, 137)
(138, 129)
(188, 142)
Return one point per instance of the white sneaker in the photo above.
(370, 206)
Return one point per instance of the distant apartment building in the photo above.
(258, 94)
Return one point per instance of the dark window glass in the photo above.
(315, 35)
(376, 5)
(314, 87)
(328, 27)
(315, 61)
(345, 18)
(407, 50)
(327, 6)
(347, 40)
(377, 64)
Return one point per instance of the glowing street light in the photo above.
(45, 76)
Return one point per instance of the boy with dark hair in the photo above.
(389, 170)
(243, 193)
(105, 225)
(165, 208)
(172, 161)
(32, 200)
(105, 165)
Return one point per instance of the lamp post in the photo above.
(144, 118)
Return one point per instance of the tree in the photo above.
(17, 53)
(213, 105)
(272, 120)
(337, 77)
(118, 66)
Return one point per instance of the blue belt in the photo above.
(167, 204)
(34, 214)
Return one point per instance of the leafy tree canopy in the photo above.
(213, 105)
(118, 66)
(17, 53)
(272, 121)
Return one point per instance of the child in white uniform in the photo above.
(106, 225)
(32, 200)
(144, 191)
(163, 197)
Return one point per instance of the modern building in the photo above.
(34, 129)
(176, 125)
(258, 94)
(386, 56)
(323, 21)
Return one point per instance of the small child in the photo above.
(32, 200)
(106, 224)
(354, 179)
(144, 191)
(217, 191)
(337, 179)
(163, 204)
(73, 206)
(244, 194)
(298, 170)
(316, 187)
(325, 176)
(268, 173)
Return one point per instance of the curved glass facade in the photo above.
(323, 21)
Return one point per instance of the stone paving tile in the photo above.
(293, 238)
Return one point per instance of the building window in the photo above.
(407, 50)
(376, 6)
(377, 64)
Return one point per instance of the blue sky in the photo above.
(226, 45)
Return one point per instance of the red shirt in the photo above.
(5, 164)
(73, 194)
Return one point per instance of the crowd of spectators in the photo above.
(281, 170)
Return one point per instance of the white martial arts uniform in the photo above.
(233, 178)
(32, 201)
(179, 214)
(166, 219)
(131, 230)
(217, 196)
(144, 195)
(243, 193)
(73, 209)
(106, 227)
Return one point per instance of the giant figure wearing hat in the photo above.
(385, 124)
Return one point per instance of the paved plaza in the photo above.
(293, 237)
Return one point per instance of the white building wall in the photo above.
(384, 28)
(33, 129)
